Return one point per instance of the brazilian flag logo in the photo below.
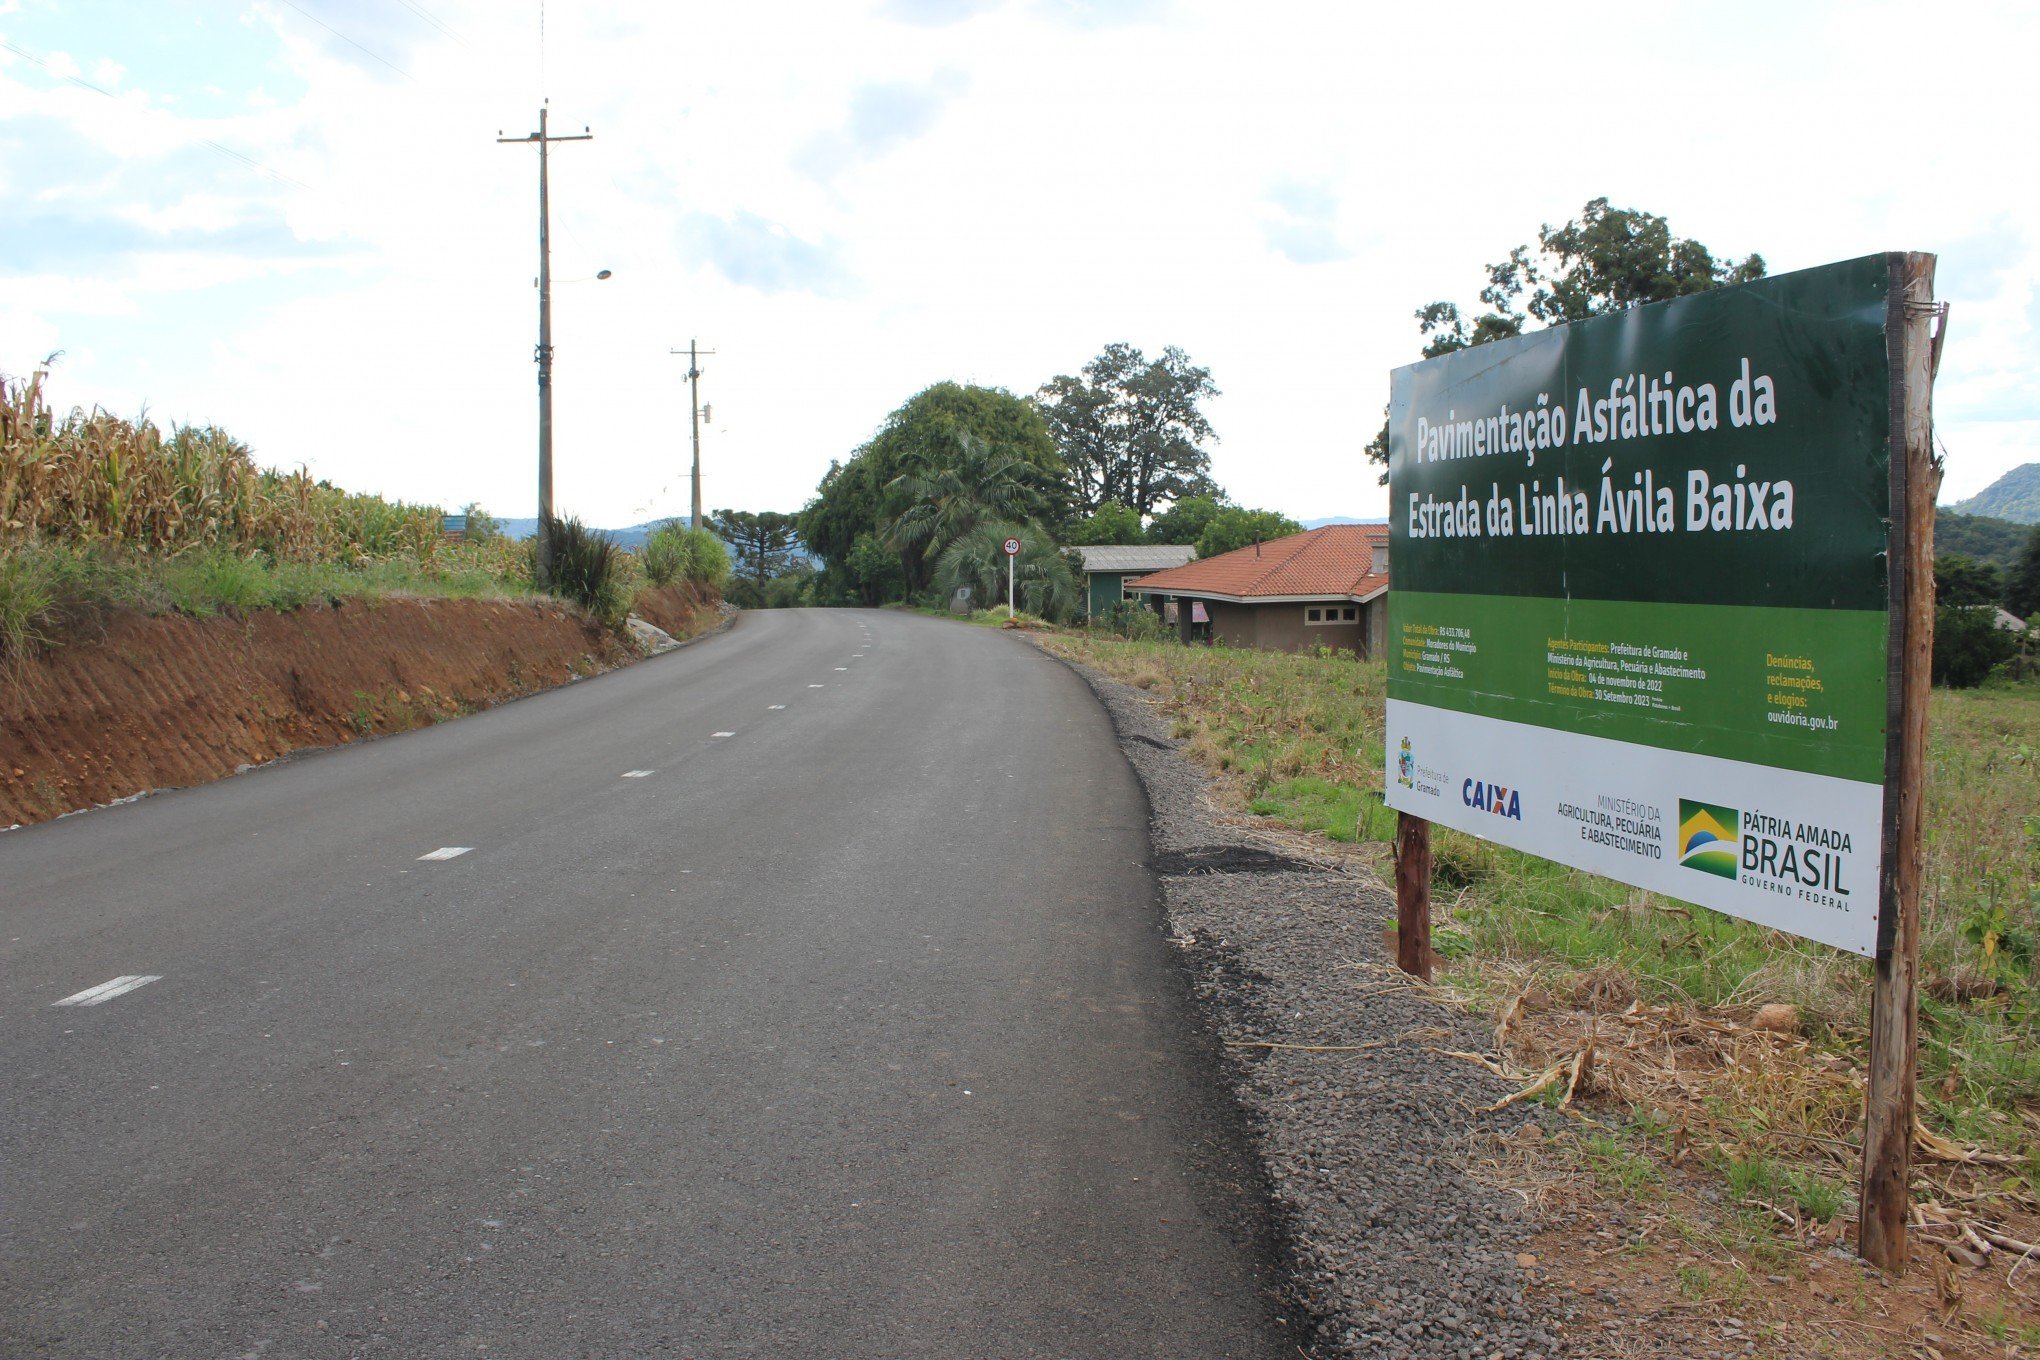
(1707, 837)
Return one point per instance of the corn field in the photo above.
(97, 480)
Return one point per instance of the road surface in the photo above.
(799, 993)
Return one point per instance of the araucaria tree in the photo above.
(1605, 260)
(766, 544)
(1131, 430)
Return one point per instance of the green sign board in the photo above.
(1640, 615)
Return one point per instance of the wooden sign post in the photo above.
(1413, 895)
(1894, 1007)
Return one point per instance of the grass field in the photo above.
(1298, 738)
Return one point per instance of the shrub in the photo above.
(587, 567)
(675, 552)
(665, 554)
(1967, 643)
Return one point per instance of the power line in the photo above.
(349, 41)
(210, 145)
(429, 17)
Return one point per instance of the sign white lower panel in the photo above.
(1793, 851)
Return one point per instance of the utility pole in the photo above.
(694, 353)
(545, 496)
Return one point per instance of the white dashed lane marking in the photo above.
(842, 668)
(107, 991)
(814, 686)
(776, 706)
(725, 734)
(448, 852)
(637, 774)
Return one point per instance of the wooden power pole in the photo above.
(694, 353)
(545, 495)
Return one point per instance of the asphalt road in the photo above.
(845, 1029)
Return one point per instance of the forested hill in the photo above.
(1980, 537)
(2014, 496)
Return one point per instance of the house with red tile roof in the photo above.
(1323, 587)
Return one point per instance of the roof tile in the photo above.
(1335, 561)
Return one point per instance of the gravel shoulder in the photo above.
(1360, 1122)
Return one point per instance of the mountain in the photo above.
(632, 537)
(2014, 496)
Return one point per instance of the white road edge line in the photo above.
(107, 991)
(637, 774)
(448, 852)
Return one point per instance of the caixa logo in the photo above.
(1503, 802)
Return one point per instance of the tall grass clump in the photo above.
(587, 567)
(675, 552)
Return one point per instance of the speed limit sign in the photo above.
(1012, 547)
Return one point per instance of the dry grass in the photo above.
(1636, 1011)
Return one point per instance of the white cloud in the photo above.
(849, 202)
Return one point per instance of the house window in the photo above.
(1127, 591)
(1320, 615)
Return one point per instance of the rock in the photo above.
(1777, 1018)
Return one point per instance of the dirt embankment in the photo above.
(160, 702)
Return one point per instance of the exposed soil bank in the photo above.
(159, 702)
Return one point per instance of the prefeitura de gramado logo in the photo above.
(1406, 766)
(1707, 837)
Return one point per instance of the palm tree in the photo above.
(1047, 585)
(946, 501)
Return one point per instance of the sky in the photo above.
(291, 218)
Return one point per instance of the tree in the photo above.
(766, 545)
(1130, 430)
(1110, 523)
(874, 570)
(1233, 527)
(1967, 644)
(1964, 580)
(1604, 261)
(2022, 583)
(1186, 520)
(481, 525)
(946, 500)
(865, 495)
(1043, 579)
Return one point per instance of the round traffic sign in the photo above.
(1012, 547)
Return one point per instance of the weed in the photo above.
(1695, 1282)
(1617, 1165)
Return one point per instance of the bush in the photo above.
(1967, 644)
(1136, 623)
(675, 552)
(588, 568)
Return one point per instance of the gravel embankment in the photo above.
(1397, 1252)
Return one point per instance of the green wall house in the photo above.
(1111, 570)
